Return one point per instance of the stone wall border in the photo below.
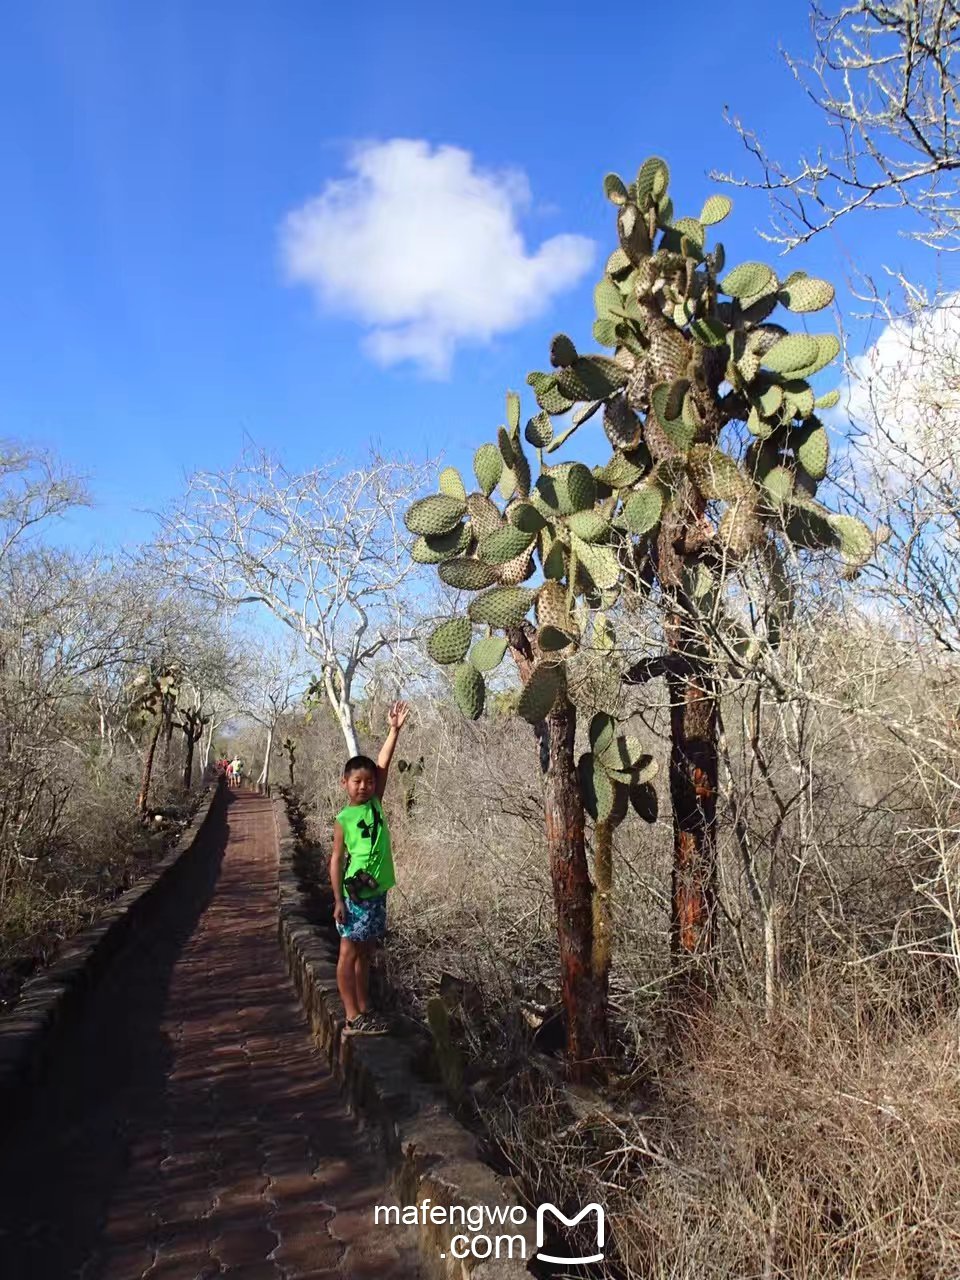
(53, 1000)
(431, 1157)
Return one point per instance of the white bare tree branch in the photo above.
(324, 550)
(885, 81)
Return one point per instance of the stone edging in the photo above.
(431, 1157)
(52, 999)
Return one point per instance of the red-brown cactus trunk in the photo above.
(693, 793)
(148, 769)
(584, 995)
(693, 741)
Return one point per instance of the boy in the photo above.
(361, 871)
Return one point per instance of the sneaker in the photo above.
(367, 1024)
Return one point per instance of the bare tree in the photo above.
(274, 679)
(33, 490)
(884, 78)
(323, 550)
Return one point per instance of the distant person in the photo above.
(361, 871)
(237, 771)
(228, 772)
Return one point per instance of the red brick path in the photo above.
(192, 1130)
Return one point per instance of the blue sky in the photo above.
(153, 154)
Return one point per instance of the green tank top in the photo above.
(366, 839)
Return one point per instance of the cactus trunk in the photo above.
(693, 791)
(583, 993)
(694, 761)
(603, 877)
(189, 743)
(148, 769)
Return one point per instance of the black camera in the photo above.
(358, 881)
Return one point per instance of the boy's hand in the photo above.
(340, 912)
(397, 715)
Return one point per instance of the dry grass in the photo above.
(820, 1140)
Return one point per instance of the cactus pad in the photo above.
(444, 547)
(549, 398)
(643, 510)
(468, 575)
(568, 488)
(487, 653)
(502, 606)
(591, 526)
(793, 352)
(452, 485)
(485, 517)
(505, 544)
(716, 474)
(598, 793)
(855, 539)
(600, 563)
(739, 529)
(450, 641)
(807, 294)
(469, 690)
(487, 466)
(513, 411)
(562, 351)
(813, 450)
(435, 515)
(750, 279)
(621, 424)
(539, 431)
(715, 209)
(540, 692)
(519, 569)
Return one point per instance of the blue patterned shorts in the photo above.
(366, 920)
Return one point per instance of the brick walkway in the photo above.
(192, 1130)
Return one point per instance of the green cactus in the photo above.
(450, 641)
(568, 488)
(807, 294)
(708, 402)
(452, 485)
(812, 449)
(589, 526)
(548, 396)
(443, 547)
(716, 474)
(467, 574)
(435, 515)
(469, 690)
(504, 544)
(715, 209)
(539, 430)
(540, 692)
(487, 653)
(502, 606)
(750, 279)
(487, 467)
(562, 351)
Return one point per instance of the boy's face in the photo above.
(360, 785)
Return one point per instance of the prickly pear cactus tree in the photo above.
(716, 454)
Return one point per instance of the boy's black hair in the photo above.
(356, 763)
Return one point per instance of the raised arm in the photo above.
(396, 717)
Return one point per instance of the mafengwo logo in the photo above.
(566, 1260)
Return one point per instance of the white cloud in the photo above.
(904, 392)
(424, 249)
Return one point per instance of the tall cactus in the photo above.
(717, 452)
